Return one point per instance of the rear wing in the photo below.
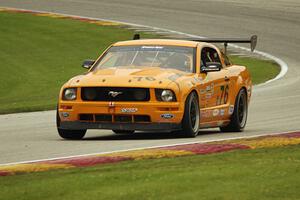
(252, 40)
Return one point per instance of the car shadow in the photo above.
(148, 136)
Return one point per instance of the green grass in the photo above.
(39, 54)
(248, 174)
(260, 70)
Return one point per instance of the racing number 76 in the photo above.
(224, 93)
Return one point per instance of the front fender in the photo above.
(184, 89)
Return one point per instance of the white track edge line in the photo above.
(281, 63)
(144, 148)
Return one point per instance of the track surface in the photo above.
(274, 108)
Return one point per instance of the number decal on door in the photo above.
(224, 95)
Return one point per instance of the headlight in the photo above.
(165, 95)
(70, 94)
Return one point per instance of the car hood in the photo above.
(150, 77)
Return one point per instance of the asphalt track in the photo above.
(274, 108)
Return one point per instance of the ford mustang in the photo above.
(179, 85)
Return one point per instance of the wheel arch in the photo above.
(190, 92)
(185, 96)
(239, 84)
(187, 120)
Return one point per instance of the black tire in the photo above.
(239, 117)
(68, 134)
(123, 131)
(191, 117)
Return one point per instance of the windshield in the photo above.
(180, 58)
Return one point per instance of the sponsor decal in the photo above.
(222, 112)
(202, 91)
(216, 112)
(152, 47)
(231, 109)
(206, 113)
(167, 116)
(129, 110)
(208, 88)
(208, 95)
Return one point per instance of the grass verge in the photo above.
(271, 173)
(260, 70)
(38, 54)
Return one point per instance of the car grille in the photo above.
(114, 118)
(114, 94)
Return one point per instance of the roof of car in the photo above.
(184, 43)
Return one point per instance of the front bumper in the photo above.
(71, 111)
(79, 125)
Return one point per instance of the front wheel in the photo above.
(239, 117)
(191, 117)
(69, 134)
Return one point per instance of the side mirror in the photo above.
(211, 67)
(87, 64)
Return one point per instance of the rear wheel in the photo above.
(240, 113)
(67, 133)
(191, 117)
(123, 131)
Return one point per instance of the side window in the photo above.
(209, 55)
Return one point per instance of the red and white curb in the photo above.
(169, 151)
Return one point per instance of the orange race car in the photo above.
(157, 84)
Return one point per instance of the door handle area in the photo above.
(226, 78)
